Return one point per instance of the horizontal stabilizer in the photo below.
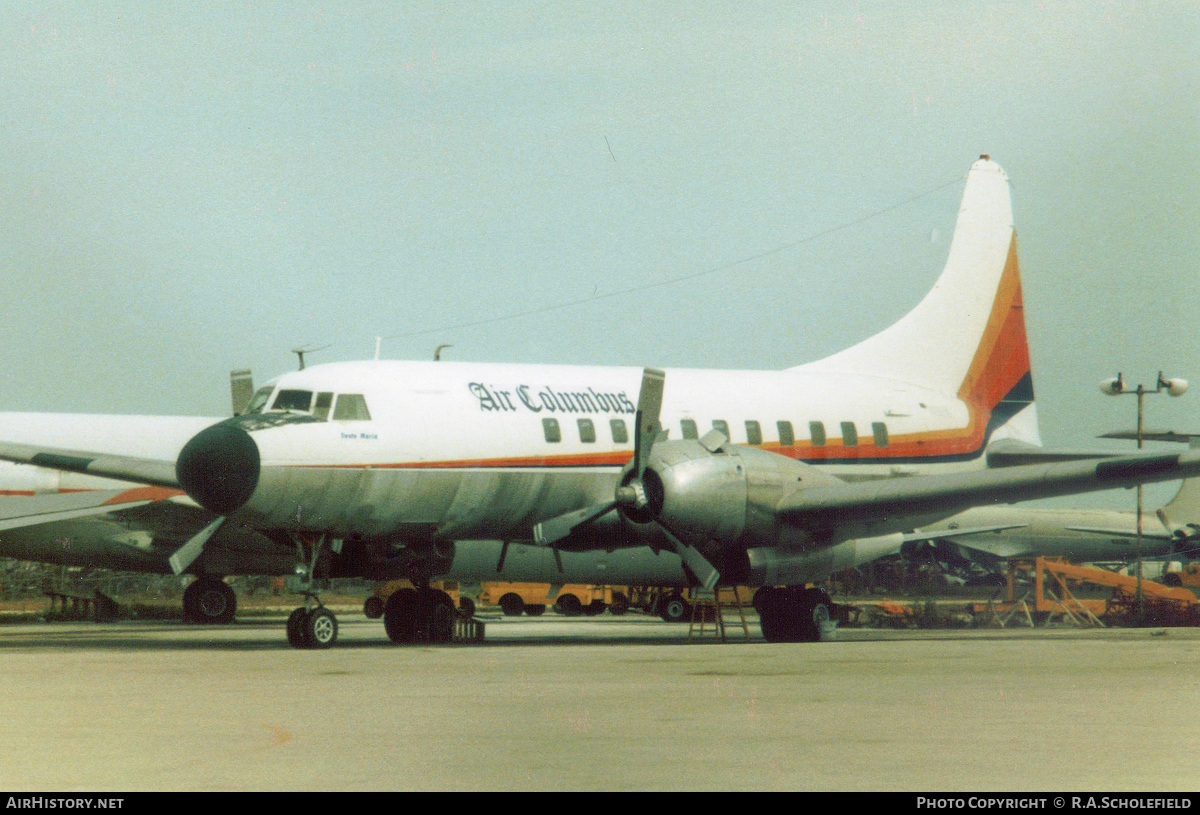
(1013, 453)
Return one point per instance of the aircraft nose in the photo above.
(219, 468)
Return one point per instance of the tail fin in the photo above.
(967, 336)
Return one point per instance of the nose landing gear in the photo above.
(312, 625)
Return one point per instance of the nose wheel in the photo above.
(312, 627)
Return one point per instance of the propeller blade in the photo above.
(185, 555)
(550, 532)
(647, 428)
(704, 571)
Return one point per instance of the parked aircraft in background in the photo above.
(372, 468)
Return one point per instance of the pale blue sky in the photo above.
(189, 188)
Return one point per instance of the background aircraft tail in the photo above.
(967, 336)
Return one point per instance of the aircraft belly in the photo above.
(638, 566)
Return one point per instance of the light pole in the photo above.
(1116, 387)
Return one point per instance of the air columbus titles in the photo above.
(523, 397)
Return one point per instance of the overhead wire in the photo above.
(657, 284)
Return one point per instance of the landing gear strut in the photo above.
(209, 600)
(794, 614)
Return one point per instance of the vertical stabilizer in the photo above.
(967, 336)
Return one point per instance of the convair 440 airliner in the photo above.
(772, 478)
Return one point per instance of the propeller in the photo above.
(630, 495)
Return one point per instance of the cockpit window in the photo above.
(351, 407)
(293, 400)
(322, 406)
(259, 399)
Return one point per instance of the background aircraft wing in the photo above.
(126, 468)
(24, 511)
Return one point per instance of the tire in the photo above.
(595, 608)
(535, 610)
(373, 607)
(512, 605)
(321, 628)
(436, 617)
(814, 615)
(674, 609)
(619, 604)
(568, 605)
(209, 601)
(400, 616)
(297, 635)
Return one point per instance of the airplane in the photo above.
(372, 466)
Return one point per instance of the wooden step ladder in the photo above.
(706, 605)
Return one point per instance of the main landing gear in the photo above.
(209, 600)
(794, 614)
(419, 615)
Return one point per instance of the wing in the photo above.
(18, 512)
(125, 468)
(894, 503)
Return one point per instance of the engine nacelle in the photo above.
(724, 498)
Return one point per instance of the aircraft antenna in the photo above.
(304, 349)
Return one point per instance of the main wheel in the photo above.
(209, 600)
(297, 634)
(373, 607)
(321, 628)
(400, 616)
(436, 616)
(813, 615)
(595, 608)
(619, 604)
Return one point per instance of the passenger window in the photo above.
(849, 434)
(551, 430)
(723, 426)
(753, 432)
(620, 433)
(351, 407)
(816, 432)
(689, 429)
(323, 404)
(260, 399)
(293, 400)
(587, 431)
(879, 431)
(786, 437)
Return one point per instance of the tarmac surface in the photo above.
(596, 704)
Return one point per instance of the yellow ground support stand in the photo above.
(706, 605)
